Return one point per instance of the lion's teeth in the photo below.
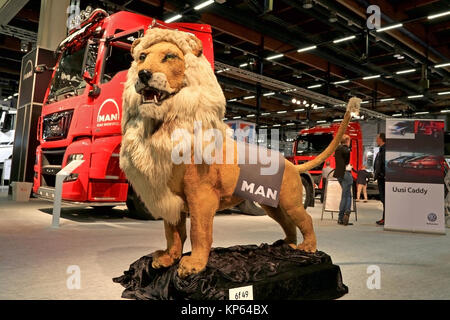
(155, 99)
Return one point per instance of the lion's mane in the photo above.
(146, 149)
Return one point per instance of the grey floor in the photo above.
(34, 258)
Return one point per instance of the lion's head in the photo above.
(171, 78)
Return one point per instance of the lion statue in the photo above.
(171, 86)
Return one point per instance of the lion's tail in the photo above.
(352, 107)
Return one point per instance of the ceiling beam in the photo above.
(9, 9)
(413, 4)
(415, 28)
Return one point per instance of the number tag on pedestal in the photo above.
(241, 293)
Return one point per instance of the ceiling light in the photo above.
(203, 4)
(224, 119)
(371, 77)
(416, 96)
(238, 117)
(321, 107)
(251, 116)
(263, 126)
(275, 56)
(290, 124)
(321, 121)
(434, 16)
(304, 102)
(342, 81)
(364, 102)
(337, 120)
(299, 110)
(276, 125)
(174, 18)
(442, 65)
(423, 112)
(398, 25)
(243, 65)
(265, 113)
(344, 39)
(232, 100)
(284, 111)
(268, 94)
(248, 97)
(308, 4)
(294, 100)
(298, 101)
(397, 115)
(445, 111)
(15, 94)
(315, 86)
(387, 99)
(307, 49)
(333, 17)
(405, 71)
(443, 93)
(10, 97)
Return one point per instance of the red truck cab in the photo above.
(81, 115)
(311, 142)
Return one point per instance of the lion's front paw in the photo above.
(190, 265)
(162, 259)
(308, 246)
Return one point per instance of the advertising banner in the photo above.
(415, 171)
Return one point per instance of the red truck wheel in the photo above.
(136, 208)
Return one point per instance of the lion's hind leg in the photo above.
(291, 203)
(175, 236)
(285, 222)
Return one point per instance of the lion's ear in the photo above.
(135, 43)
(196, 45)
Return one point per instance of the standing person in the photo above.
(361, 181)
(325, 172)
(380, 170)
(344, 176)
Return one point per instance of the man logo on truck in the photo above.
(108, 114)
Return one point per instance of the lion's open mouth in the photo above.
(153, 95)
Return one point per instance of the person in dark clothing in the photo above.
(344, 176)
(361, 181)
(380, 170)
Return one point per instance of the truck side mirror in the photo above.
(89, 62)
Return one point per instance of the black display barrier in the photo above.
(276, 272)
(32, 90)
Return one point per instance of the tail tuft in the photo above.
(353, 105)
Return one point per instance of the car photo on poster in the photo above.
(401, 130)
(425, 168)
(428, 128)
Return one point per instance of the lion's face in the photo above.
(160, 70)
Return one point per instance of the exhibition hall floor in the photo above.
(34, 258)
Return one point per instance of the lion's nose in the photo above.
(145, 76)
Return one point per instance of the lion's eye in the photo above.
(169, 56)
(142, 56)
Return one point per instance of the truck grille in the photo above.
(56, 125)
(51, 164)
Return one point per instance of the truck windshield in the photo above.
(313, 144)
(68, 74)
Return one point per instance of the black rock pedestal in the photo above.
(276, 272)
